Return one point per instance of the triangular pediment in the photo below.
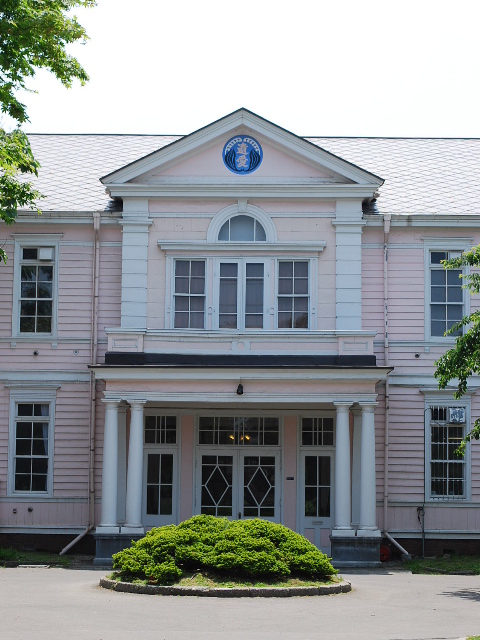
(213, 156)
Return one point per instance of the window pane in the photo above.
(438, 277)
(242, 229)
(437, 256)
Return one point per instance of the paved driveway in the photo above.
(49, 604)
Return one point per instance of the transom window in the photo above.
(446, 293)
(160, 429)
(317, 431)
(242, 229)
(248, 431)
(36, 289)
(32, 422)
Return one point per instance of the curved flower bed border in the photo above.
(223, 592)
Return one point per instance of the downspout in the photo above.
(92, 386)
(386, 230)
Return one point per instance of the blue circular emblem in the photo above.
(242, 155)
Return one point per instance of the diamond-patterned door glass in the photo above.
(259, 486)
(217, 474)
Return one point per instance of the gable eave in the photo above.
(230, 189)
(277, 135)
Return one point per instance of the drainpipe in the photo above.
(93, 360)
(386, 230)
(92, 388)
(404, 552)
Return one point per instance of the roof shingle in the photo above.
(422, 175)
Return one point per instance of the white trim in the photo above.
(444, 398)
(238, 209)
(205, 248)
(442, 244)
(34, 240)
(251, 189)
(208, 135)
(30, 396)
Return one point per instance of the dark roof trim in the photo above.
(235, 361)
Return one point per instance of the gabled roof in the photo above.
(230, 125)
(422, 175)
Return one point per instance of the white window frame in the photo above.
(312, 274)
(31, 242)
(190, 295)
(241, 287)
(447, 400)
(152, 520)
(442, 244)
(31, 396)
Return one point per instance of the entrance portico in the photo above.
(276, 469)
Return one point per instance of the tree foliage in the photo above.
(34, 35)
(463, 360)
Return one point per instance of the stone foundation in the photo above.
(355, 551)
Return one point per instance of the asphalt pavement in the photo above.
(68, 604)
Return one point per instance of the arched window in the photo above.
(242, 228)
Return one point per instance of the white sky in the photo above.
(315, 67)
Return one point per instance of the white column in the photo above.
(343, 511)
(133, 517)
(368, 519)
(356, 466)
(122, 463)
(108, 520)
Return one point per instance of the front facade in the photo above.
(234, 323)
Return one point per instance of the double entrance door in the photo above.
(238, 484)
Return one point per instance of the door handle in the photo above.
(239, 515)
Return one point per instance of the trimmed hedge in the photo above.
(241, 548)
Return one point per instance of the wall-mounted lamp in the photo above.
(240, 390)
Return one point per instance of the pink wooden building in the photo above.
(239, 322)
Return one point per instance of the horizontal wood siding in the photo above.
(54, 514)
(406, 442)
(406, 293)
(4, 409)
(71, 441)
(74, 291)
(6, 292)
(110, 288)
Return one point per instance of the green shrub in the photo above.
(243, 548)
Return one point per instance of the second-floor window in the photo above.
(293, 299)
(241, 295)
(189, 302)
(446, 294)
(36, 289)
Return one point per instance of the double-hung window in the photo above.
(293, 298)
(31, 442)
(446, 471)
(36, 300)
(189, 296)
(446, 294)
(241, 295)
